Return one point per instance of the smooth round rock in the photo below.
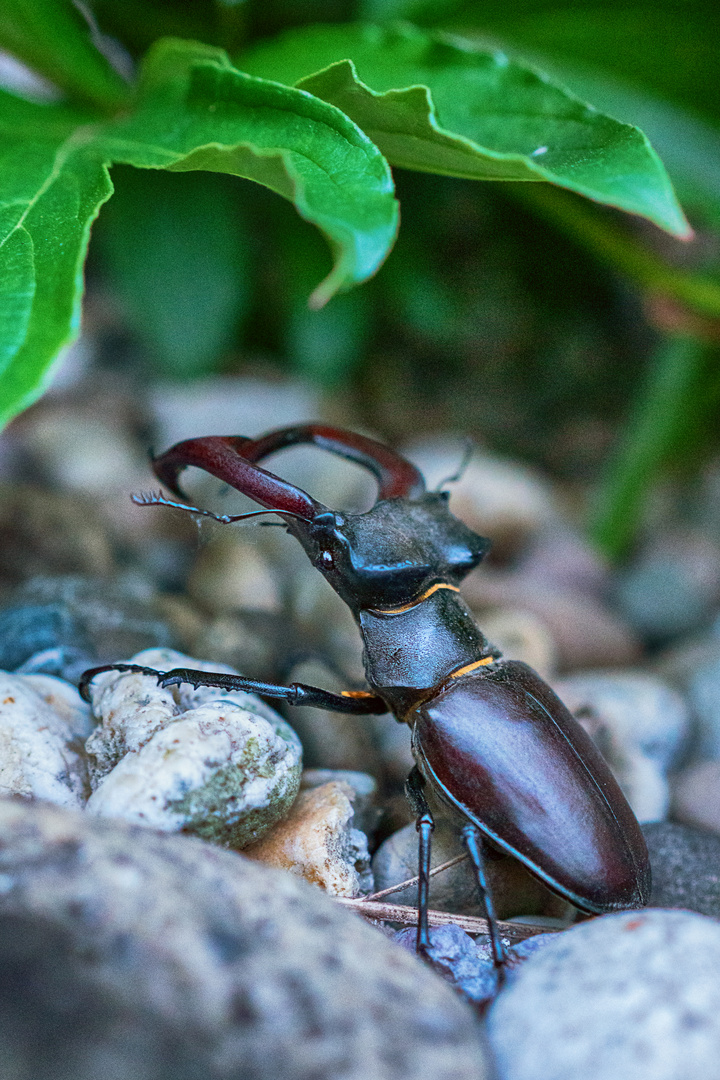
(333, 740)
(514, 890)
(696, 796)
(495, 496)
(639, 724)
(630, 995)
(672, 587)
(114, 617)
(685, 864)
(47, 533)
(190, 962)
(585, 632)
(231, 573)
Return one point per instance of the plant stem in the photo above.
(620, 250)
(665, 412)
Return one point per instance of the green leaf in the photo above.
(53, 38)
(197, 112)
(193, 112)
(176, 249)
(52, 188)
(438, 105)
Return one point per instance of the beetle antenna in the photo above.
(469, 447)
(156, 498)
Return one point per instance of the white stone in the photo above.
(41, 721)
(217, 763)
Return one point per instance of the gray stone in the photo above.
(672, 587)
(693, 667)
(333, 740)
(585, 632)
(515, 891)
(497, 497)
(134, 945)
(465, 964)
(685, 866)
(630, 995)
(696, 796)
(47, 533)
(114, 617)
(640, 725)
(29, 629)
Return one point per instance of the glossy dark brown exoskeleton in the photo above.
(489, 736)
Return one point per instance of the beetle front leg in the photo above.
(425, 825)
(474, 844)
(358, 702)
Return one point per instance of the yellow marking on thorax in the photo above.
(414, 603)
(471, 667)
(356, 693)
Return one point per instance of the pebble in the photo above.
(629, 995)
(318, 841)
(521, 635)
(696, 796)
(133, 953)
(560, 557)
(694, 667)
(43, 721)
(672, 587)
(229, 405)
(29, 629)
(230, 573)
(685, 864)
(333, 740)
(219, 764)
(584, 631)
(48, 533)
(234, 639)
(366, 812)
(497, 497)
(640, 725)
(462, 962)
(112, 617)
(514, 890)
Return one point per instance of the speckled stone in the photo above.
(631, 995)
(685, 865)
(170, 955)
(219, 764)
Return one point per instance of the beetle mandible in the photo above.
(489, 736)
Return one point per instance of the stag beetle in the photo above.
(489, 736)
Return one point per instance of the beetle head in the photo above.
(389, 555)
(383, 558)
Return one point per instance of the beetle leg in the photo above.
(425, 825)
(474, 844)
(357, 702)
